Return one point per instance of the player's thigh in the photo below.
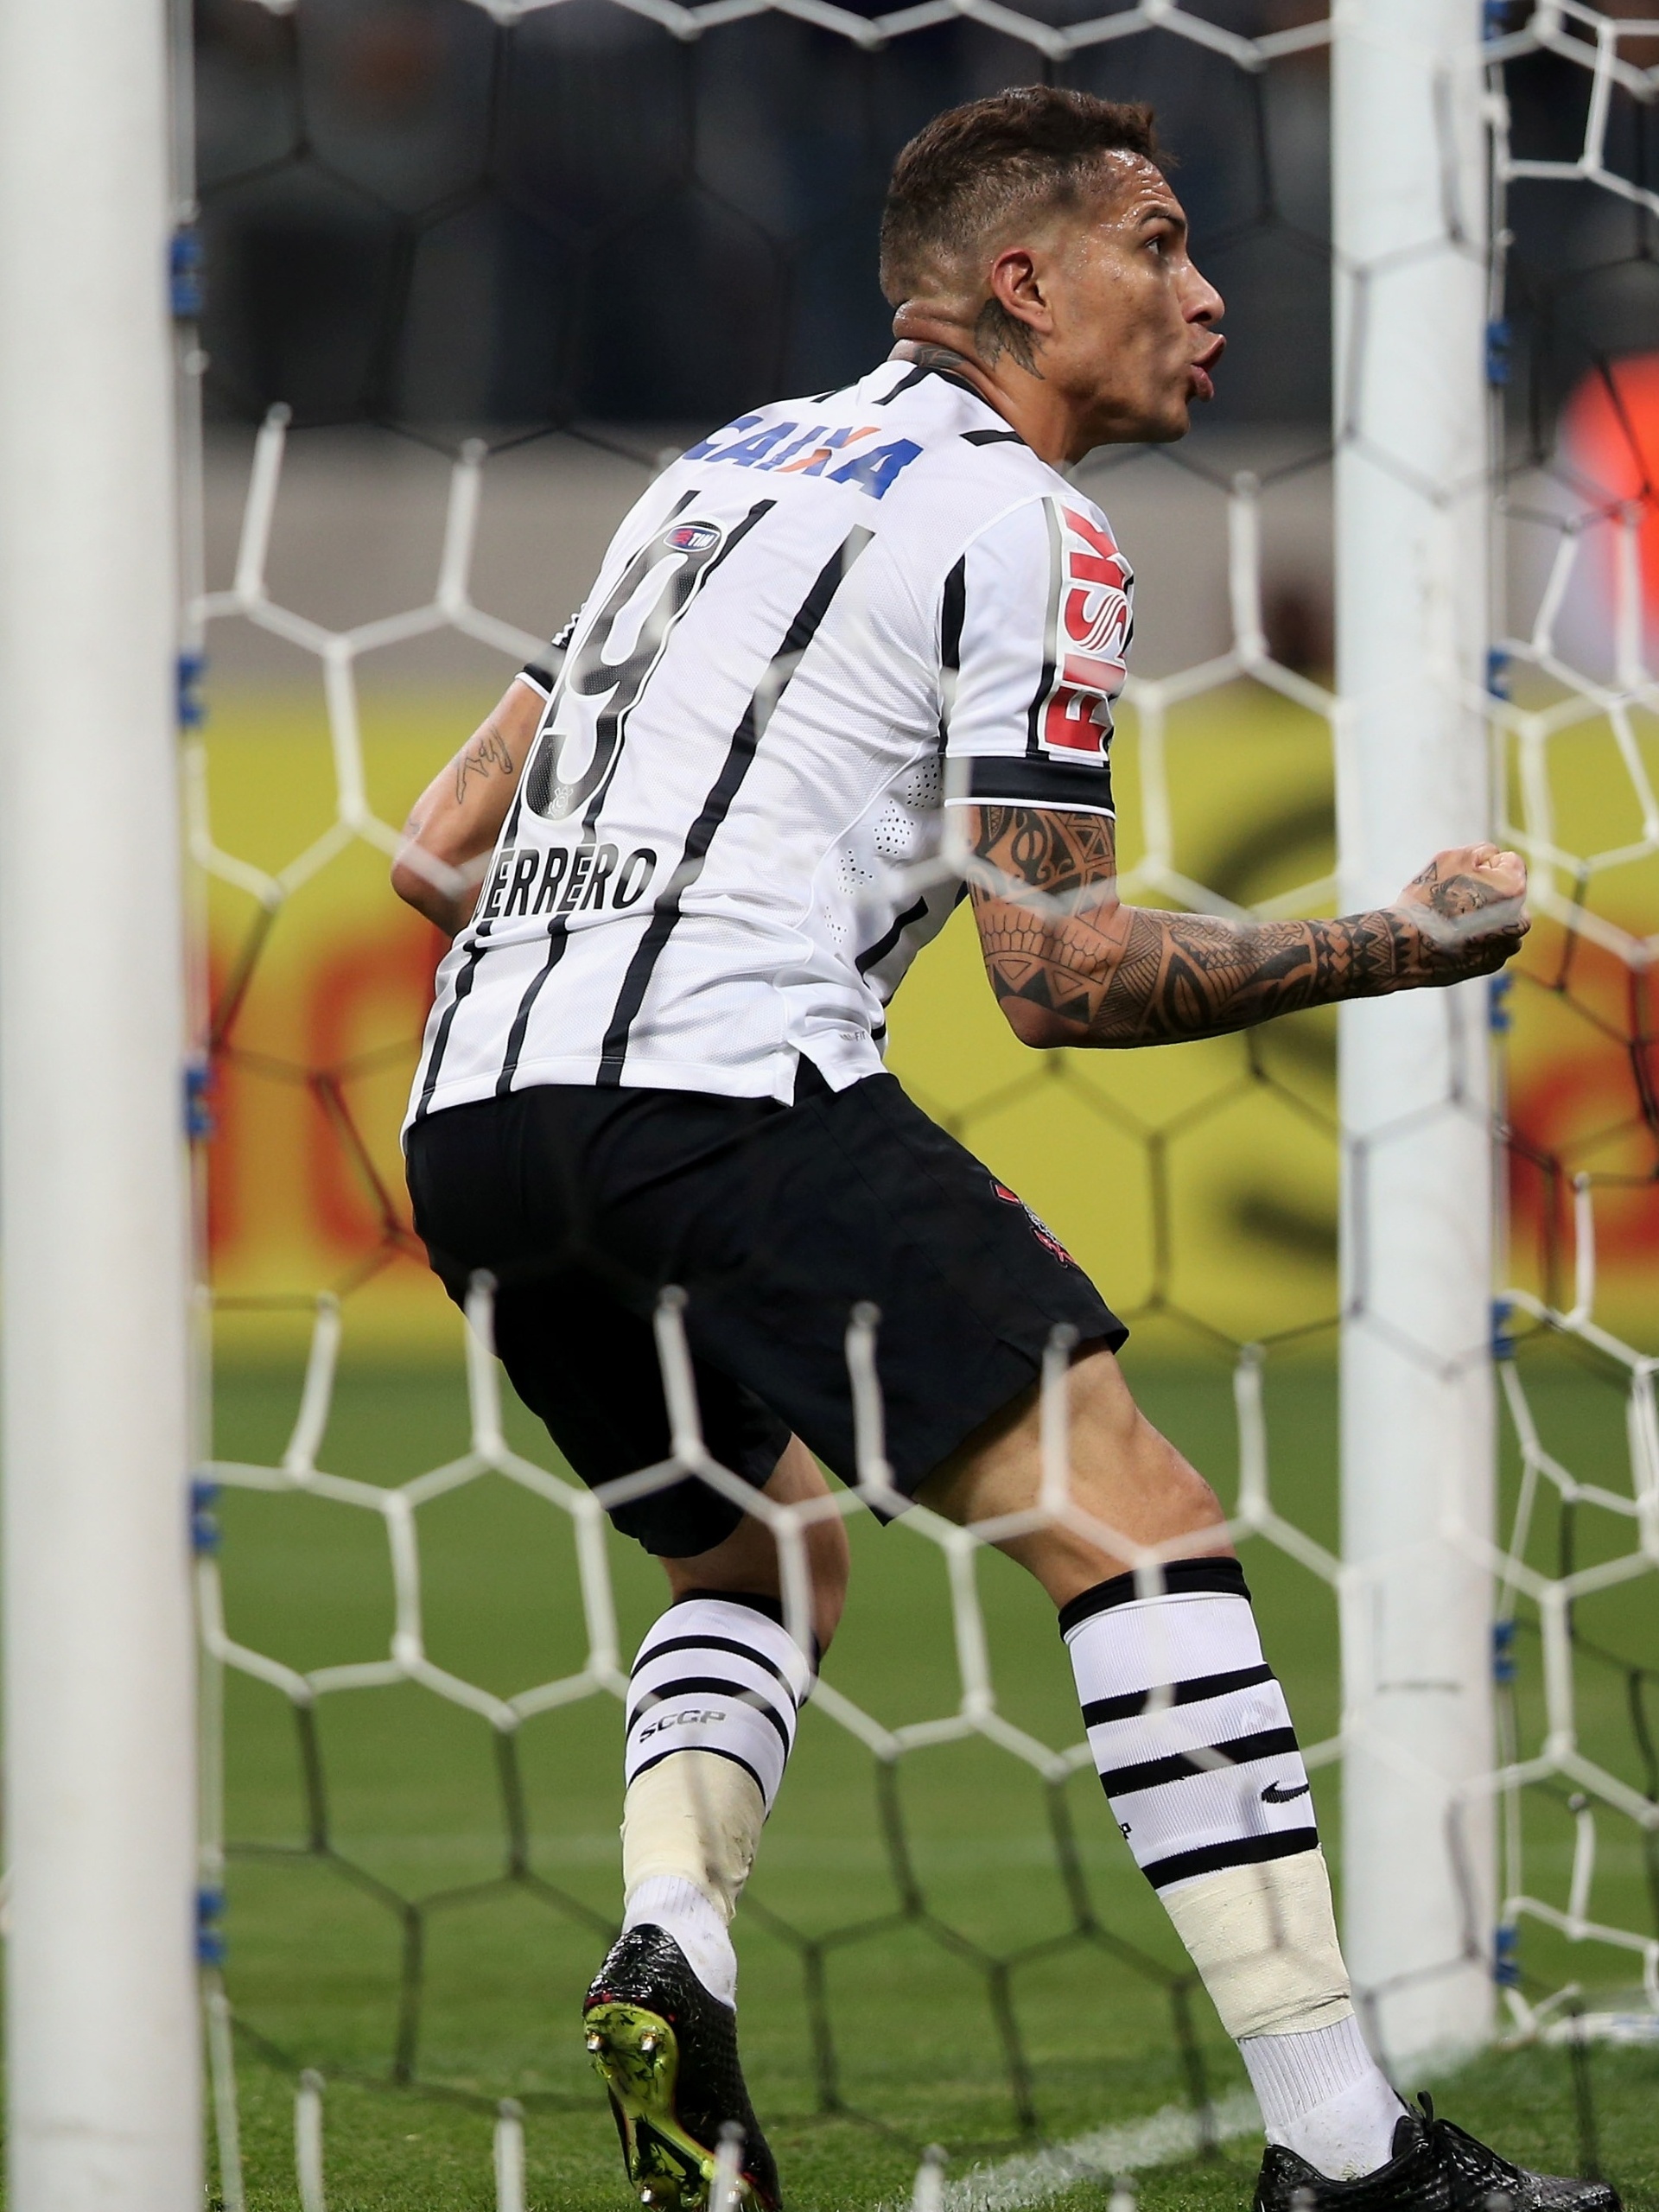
(1129, 1485)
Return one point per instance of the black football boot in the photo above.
(1414, 2177)
(666, 2051)
(1435, 2165)
(1482, 2182)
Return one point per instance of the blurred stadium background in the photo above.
(581, 239)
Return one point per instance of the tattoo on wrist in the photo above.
(488, 751)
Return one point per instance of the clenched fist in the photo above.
(1467, 912)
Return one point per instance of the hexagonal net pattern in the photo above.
(370, 337)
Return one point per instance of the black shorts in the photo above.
(776, 1221)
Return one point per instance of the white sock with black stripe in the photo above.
(1193, 1743)
(712, 1708)
(1191, 1734)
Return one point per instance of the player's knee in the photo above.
(1102, 1405)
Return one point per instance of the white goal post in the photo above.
(104, 2090)
(1410, 187)
(103, 2072)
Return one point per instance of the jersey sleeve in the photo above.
(1034, 627)
(543, 673)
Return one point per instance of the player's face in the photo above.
(1134, 343)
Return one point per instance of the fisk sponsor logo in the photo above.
(1092, 640)
(789, 450)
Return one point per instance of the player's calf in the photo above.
(711, 1718)
(712, 1707)
(1196, 1750)
(711, 1721)
(1194, 1747)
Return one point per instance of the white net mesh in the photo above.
(1571, 709)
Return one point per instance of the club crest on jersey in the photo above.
(1093, 619)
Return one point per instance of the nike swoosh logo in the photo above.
(1272, 1795)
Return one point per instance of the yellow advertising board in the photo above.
(1198, 1184)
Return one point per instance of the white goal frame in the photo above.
(103, 2085)
(104, 2100)
(1410, 192)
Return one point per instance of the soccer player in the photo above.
(846, 654)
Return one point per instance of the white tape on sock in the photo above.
(1264, 1939)
(690, 1828)
(696, 1817)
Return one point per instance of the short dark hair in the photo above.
(967, 171)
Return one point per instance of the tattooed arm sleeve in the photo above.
(1088, 971)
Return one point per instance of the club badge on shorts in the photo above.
(1039, 1228)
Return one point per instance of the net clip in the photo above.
(1506, 1956)
(198, 1122)
(204, 1519)
(1502, 1334)
(186, 291)
(210, 1936)
(190, 708)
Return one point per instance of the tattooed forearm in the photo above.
(489, 751)
(1134, 976)
(1085, 970)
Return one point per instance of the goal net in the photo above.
(472, 274)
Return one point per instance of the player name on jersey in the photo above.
(564, 880)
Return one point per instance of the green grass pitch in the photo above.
(945, 1901)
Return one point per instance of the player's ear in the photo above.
(1019, 286)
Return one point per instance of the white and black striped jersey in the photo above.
(820, 627)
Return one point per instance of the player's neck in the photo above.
(1032, 407)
